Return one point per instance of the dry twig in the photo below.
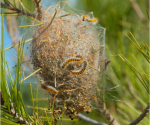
(144, 113)
(106, 113)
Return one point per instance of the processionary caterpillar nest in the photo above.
(65, 50)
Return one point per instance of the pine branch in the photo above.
(13, 113)
(144, 113)
(16, 10)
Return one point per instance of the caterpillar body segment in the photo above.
(79, 56)
(78, 72)
(69, 61)
(49, 88)
(73, 59)
(93, 20)
(89, 19)
(84, 17)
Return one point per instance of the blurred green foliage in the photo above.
(119, 17)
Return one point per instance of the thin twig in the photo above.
(137, 10)
(106, 113)
(144, 113)
(16, 10)
(89, 120)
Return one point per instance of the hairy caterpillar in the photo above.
(79, 56)
(93, 20)
(73, 59)
(48, 88)
(78, 72)
(87, 17)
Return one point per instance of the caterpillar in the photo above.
(79, 56)
(73, 59)
(93, 20)
(84, 16)
(87, 17)
(48, 88)
(78, 72)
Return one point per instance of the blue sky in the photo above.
(9, 54)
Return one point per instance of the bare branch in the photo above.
(106, 113)
(38, 9)
(89, 120)
(144, 113)
(16, 10)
